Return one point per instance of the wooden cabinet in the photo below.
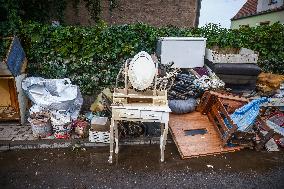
(13, 102)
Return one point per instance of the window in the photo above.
(264, 23)
(244, 26)
(271, 2)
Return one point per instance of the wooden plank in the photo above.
(205, 103)
(13, 95)
(5, 117)
(226, 114)
(211, 119)
(229, 96)
(5, 99)
(198, 145)
(219, 118)
(8, 115)
(4, 71)
(229, 131)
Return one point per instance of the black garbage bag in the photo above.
(182, 106)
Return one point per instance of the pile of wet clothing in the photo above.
(188, 86)
(184, 87)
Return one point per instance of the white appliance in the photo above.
(185, 52)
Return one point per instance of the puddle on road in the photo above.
(146, 157)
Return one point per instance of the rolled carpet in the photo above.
(182, 106)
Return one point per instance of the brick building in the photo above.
(180, 13)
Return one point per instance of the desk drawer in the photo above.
(124, 113)
(151, 115)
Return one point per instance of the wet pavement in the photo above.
(139, 167)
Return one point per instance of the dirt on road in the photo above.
(139, 167)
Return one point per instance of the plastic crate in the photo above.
(41, 130)
(62, 131)
(99, 136)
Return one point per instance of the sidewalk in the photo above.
(14, 137)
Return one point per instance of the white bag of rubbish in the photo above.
(54, 94)
(61, 124)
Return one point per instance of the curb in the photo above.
(59, 143)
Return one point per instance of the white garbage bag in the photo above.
(54, 94)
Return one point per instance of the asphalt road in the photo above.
(139, 167)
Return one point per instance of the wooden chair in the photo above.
(218, 107)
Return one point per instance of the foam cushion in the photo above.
(234, 68)
(182, 106)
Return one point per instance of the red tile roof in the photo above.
(248, 9)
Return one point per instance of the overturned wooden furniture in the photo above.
(139, 103)
(13, 103)
(218, 107)
(194, 136)
(268, 129)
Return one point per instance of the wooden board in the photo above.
(5, 99)
(197, 145)
(8, 99)
(9, 117)
(8, 93)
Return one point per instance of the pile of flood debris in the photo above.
(232, 95)
(251, 119)
(227, 98)
(247, 119)
(56, 106)
(56, 111)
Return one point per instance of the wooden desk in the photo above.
(139, 112)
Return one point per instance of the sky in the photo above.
(219, 11)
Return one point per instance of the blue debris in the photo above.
(16, 57)
(245, 116)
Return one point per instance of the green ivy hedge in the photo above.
(92, 56)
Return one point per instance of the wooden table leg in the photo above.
(163, 141)
(116, 137)
(111, 141)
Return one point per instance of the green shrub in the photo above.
(92, 56)
(4, 47)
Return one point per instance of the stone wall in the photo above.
(181, 13)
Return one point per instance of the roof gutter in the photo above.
(198, 7)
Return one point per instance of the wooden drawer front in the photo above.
(151, 115)
(124, 113)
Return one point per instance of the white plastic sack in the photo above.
(54, 94)
(58, 118)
